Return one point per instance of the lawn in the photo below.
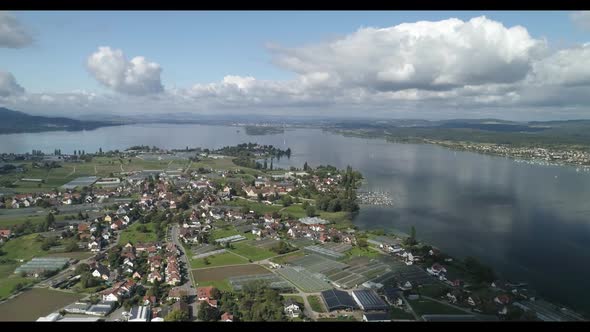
(226, 258)
(429, 307)
(80, 255)
(7, 284)
(316, 303)
(260, 208)
(295, 211)
(252, 252)
(8, 218)
(133, 235)
(35, 303)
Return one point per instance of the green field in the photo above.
(252, 252)
(288, 257)
(428, 307)
(24, 247)
(367, 252)
(259, 208)
(8, 279)
(316, 303)
(222, 285)
(396, 313)
(226, 258)
(133, 235)
(35, 303)
(296, 298)
(219, 233)
(8, 219)
(80, 255)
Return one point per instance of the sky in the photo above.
(388, 64)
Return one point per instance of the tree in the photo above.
(287, 200)
(81, 268)
(207, 313)
(260, 197)
(305, 205)
(71, 246)
(49, 220)
(176, 316)
(305, 166)
(206, 261)
(310, 211)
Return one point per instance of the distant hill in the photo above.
(18, 122)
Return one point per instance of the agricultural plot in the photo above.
(300, 243)
(252, 252)
(359, 273)
(318, 264)
(337, 247)
(304, 280)
(226, 258)
(35, 303)
(271, 280)
(225, 272)
(324, 252)
(201, 249)
(265, 243)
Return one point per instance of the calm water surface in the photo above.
(530, 222)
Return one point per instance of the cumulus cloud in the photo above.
(12, 33)
(136, 77)
(581, 19)
(9, 86)
(424, 55)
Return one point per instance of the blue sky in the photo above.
(413, 64)
(201, 47)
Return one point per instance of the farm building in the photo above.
(338, 300)
(368, 300)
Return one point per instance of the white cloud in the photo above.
(9, 86)
(424, 55)
(569, 67)
(581, 19)
(12, 33)
(136, 77)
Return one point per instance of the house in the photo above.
(102, 272)
(376, 317)
(147, 300)
(227, 317)
(136, 275)
(5, 233)
(83, 227)
(153, 276)
(436, 269)
(204, 293)
(291, 308)
(108, 218)
(502, 299)
(95, 245)
(117, 225)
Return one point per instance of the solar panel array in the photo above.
(338, 300)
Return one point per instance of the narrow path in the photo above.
(95, 171)
(72, 172)
(449, 304)
(411, 309)
(122, 170)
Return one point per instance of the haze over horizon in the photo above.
(522, 66)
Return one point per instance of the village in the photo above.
(180, 242)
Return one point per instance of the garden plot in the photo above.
(202, 249)
(302, 242)
(318, 264)
(272, 280)
(359, 273)
(338, 247)
(304, 280)
(265, 243)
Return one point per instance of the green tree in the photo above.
(81, 268)
(310, 211)
(207, 313)
(176, 316)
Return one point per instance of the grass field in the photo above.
(8, 279)
(295, 298)
(35, 303)
(133, 235)
(259, 208)
(316, 303)
(224, 272)
(429, 307)
(219, 233)
(80, 255)
(396, 313)
(24, 247)
(222, 285)
(7, 220)
(288, 257)
(226, 258)
(367, 252)
(252, 252)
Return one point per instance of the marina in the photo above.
(374, 198)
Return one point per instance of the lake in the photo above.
(530, 222)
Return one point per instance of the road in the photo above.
(190, 285)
